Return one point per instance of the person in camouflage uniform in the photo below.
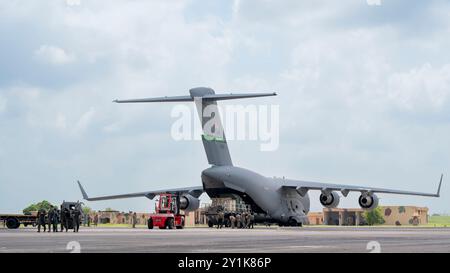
(243, 220)
(220, 219)
(232, 221)
(238, 221)
(252, 220)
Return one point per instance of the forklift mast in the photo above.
(168, 203)
(167, 212)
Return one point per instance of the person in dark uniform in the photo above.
(50, 215)
(55, 219)
(41, 219)
(66, 216)
(62, 218)
(76, 220)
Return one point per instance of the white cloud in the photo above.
(114, 127)
(423, 87)
(73, 2)
(84, 121)
(339, 73)
(54, 55)
(61, 121)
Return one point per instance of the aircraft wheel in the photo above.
(150, 223)
(292, 223)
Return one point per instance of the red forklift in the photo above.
(167, 213)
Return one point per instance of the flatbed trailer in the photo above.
(13, 221)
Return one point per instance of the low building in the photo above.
(195, 218)
(405, 215)
(199, 217)
(315, 218)
(392, 215)
(343, 217)
(116, 217)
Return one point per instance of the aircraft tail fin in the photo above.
(213, 137)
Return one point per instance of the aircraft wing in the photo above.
(303, 187)
(194, 191)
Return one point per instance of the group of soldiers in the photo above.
(54, 217)
(238, 220)
(88, 219)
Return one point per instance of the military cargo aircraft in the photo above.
(279, 200)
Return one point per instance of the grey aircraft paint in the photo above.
(280, 200)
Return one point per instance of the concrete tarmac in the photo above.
(260, 239)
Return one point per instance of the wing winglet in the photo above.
(438, 194)
(83, 192)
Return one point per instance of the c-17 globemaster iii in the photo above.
(280, 200)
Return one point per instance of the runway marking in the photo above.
(226, 240)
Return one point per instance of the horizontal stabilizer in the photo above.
(211, 97)
(205, 98)
(236, 96)
(160, 99)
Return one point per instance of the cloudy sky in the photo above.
(364, 94)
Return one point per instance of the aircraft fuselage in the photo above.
(265, 194)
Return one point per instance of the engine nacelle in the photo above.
(330, 200)
(189, 202)
(368, 201)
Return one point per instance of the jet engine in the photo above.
(189, 202)
(368, 201)
(330, 200)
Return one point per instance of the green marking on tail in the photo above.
(213, 138)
